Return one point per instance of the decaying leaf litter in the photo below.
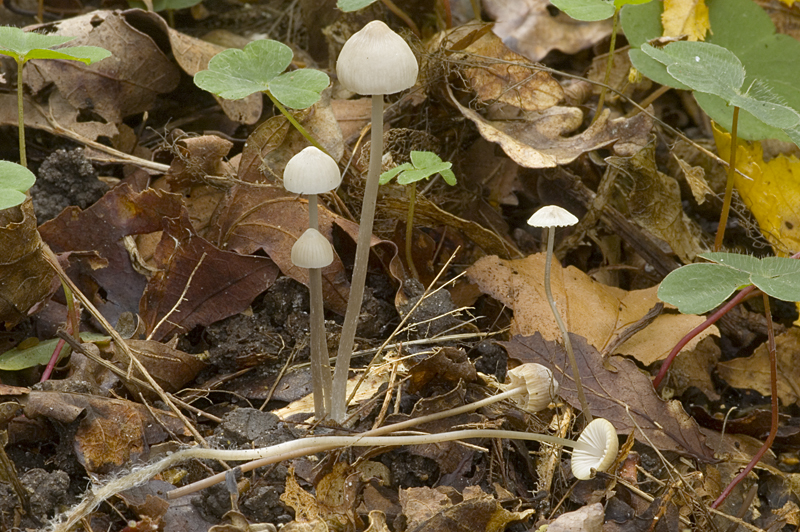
(186, 243)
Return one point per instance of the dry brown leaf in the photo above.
(111, 432)
(124, 84)
(622, 396)
(497, 74)
(302, 502)
(529, 29)
(519, 284)
(696, 178)
(539, 139)
(694, 367)
(26, 279)
(753, 372)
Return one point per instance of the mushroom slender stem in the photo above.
(320, 370)
(551, 232)
(339, 392)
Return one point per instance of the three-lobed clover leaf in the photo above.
(712, 69)
(698, 288)
(15, 180)
(234, 74)
(592, 10)
(25, 45)
(423, 165)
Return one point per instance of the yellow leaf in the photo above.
(789, 2)
(771, 191)
(685, 17)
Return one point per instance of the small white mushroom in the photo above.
(311, 171)
(541, 386)
(312, 250)
(596, 450)
(550, 217)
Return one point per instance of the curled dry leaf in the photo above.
(620, 396)
(529, 29)
(519, 284)
(539, 139)
(26, 279)
(497, 74)
(124, 84)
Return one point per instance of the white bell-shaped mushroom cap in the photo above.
(601, 438)
(552, 216)
(541, 385)
(311, 171)
(376, 60)
(312, 250)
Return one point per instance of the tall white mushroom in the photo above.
(311, 172)
(550, 217)
(374, 61)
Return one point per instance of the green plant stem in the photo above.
(551, 235)
(320, 369)
(347, 340)
(411, 190)
(726, 204)
(292, 120)
(773, 429)
(609, 65)
(23, 160)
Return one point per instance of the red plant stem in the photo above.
(773, 429)
(721, 311)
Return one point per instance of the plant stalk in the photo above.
(726, 204)
(551, 236)
(773, 429)
(292, 120)
(609, 66)
(23, 160)
(340, 374)
(411, 190)
(320, 369)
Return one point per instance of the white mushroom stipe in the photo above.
(603, 445)
(311, 171)
(376, 60)
(312, 250)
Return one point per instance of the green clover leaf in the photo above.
(15, 180)
(25, 45)
(423, 165)
(235, 74)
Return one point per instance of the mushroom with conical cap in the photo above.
(552, 216)
(541, 386)
(597, 449)
(311, 171)
(376, 60)
(312, 250)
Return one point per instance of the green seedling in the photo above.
(15, 180)
(23, 46)
(592, 11)
(710, 69)
(32, 353)
(698, 288)
(164, 5)
(234, 74)
(423, 165)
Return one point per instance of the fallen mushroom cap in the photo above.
(311, 171)
(552, 216)
(312, 250)
(376, 60)
(541, 385)
(601, 436)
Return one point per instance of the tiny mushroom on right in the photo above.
(596, 449)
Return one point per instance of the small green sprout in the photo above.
(423, 165)
(698, 288)
(15, 180)
(347, 6)
(234, 74)
(24, 46)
